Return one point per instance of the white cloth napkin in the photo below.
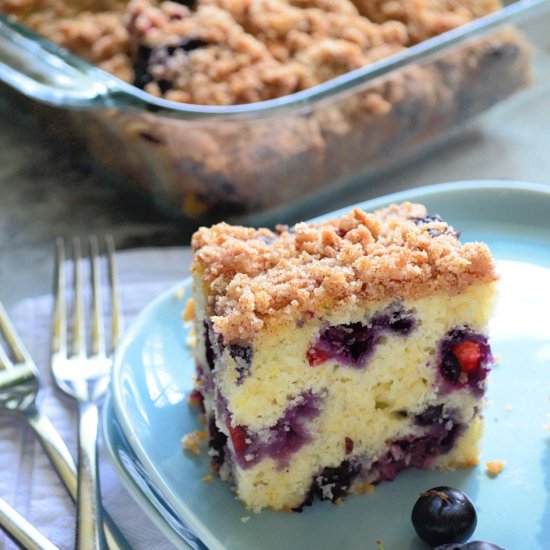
(27, 480)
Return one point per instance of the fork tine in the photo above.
(79, 325)
(116, 311)
(98, 329)
(5, 361)
(18, 350)
(59, 330)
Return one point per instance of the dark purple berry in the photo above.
(464, 359)
(418, 452)
(473, 545)
(145, 57)
(210, 355)
(147, 136)
(481, 545)
(142, 77)
(427, 219)
(331, 483)
(450, 368)
(436, 231)
(243, 357)
(189, 3)
(280, 441)
(444, 515)
(353, 343)
(431, 415)
(216, 443)
(187, 45)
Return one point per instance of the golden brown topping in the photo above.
(251, 275)
(222, 52)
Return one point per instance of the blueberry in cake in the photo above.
(331, 356)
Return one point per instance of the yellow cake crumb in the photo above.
(189, 311)
(191, 340)
(494, 467)
(363, 488)
(191, 442)
(208, 479)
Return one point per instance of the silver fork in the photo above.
(19, 387)
(85, 377)
(19, 390)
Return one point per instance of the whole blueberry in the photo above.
(444, 515)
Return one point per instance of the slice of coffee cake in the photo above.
(331, 356)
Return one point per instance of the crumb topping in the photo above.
(252, 275)
(225, 52)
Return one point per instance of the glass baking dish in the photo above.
(268, 161)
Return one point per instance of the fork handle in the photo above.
(55, 449)
(21, 531)
(89, 536)
(62, 461)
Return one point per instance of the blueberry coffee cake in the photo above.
(331, 356)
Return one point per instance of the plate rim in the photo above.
(139, 496)
(370, 204)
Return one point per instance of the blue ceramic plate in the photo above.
(140, 485)
(152, 378)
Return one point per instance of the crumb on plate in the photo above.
(494, 467)
(191, 442)
(189, 312)
(364, 489)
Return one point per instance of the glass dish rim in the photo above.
(122, 95)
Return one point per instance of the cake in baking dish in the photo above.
(331, 356)
(229, 52)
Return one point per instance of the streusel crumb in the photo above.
(192, 441)
(397, 252)
(189, 312)
(494, 467)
